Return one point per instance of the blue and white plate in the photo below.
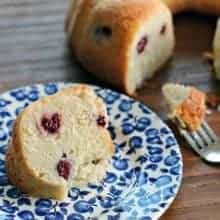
(145, 173)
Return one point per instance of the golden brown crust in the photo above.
(207, 6)
(192, 111)
(177, 5)
(21, 175)
(124, 18)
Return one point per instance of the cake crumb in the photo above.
(209, 56)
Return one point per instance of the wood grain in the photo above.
(33, 49)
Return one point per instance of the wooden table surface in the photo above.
(33, 49)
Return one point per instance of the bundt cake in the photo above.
(207, 6)
(216, 46)
(186, 104)
(122, 42)
(58, 142)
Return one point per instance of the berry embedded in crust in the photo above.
(142, 44)
(101, 121)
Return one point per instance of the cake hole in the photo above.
(142, 44)
(95, 162)
(163, 30)
(103, 31)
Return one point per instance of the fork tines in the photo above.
(201, 138)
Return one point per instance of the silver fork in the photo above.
(204, 141)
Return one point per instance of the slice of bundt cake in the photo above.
(187, 104)
(58, 142)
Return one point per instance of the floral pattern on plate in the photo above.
(145, 173)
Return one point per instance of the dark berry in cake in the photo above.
(101, 121)
(64, 168)
(163, 29)
(142, 44)
(51, 124)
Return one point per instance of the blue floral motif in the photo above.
(163, 180)
(108, 96)
(144, 108)
(50, 88)
(142, 124)
(154, 150)
(110, 177)
(75, 193)
(33, 95)
(142, 181)
(9, 124)
(142, 159)
(75, 216)
(54, 216)
(3, 149)
(151, 166)
(4, 114)
(125, 105)
(153, 136)
(83, 206)
(14, 193)
(26, 215)
(170, 141)
(175, 170)
(154, 140)
(164, 131)
(3, 180)
(151, 199)
(152, 132)
(155, 158)
(168, 192)
(136, 142)
(2, 166)
(112, 132)
(145, 218)
(114, 217)
(3, 135)
(63, 207)
(19, 109)
(23, 201)
(127, 128)
(19, 94)
(120, 164)
(106, 202)
(43, 207)
(143, 178)
(4, 102)
(8, 207)
(171, 160)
